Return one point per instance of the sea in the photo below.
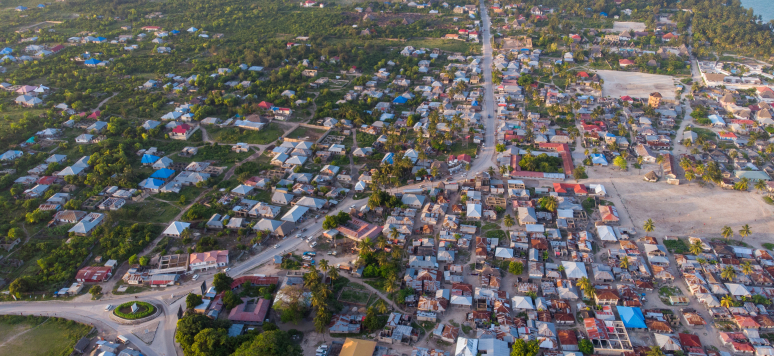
(760, 7)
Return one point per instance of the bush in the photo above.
(147, 312)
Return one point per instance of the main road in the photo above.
(92, 312)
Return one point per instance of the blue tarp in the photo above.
(388, 158)
(149, 159)
(6, 50)
(151, 183)
(400, 100)
(92, 62)
(603, 14)
(31, 139)
(163, 173)
(632, 317)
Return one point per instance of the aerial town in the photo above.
(386, 178)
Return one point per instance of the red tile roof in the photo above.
(688, 340)
(595, 328)
(566, 187)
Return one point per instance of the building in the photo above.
(357, 347)
(654, 100)
(252, 311)
(207, 260)
(357, 229)
(92, 274)
(176, 229)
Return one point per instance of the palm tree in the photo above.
(728, 273)
(549, 202)
(747, 268)
(333, 274)
(508, 221)
(649, 225)
(742, 184)
(624, 262)
(696, 247)
(590, 292)
(726, 232)
(584, 283)
(760, 185)
(745, 231)
(381, 242)
(727, 301)
(365, 246)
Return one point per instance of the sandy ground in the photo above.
(636, 85)
(618, 26)
(687, 209)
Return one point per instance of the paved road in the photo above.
(92, 312)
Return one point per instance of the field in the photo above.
(444, 45)
(687, 209)
(22, 336)
(619, 27)
(636, 85)
(307, 133)
(268, 134)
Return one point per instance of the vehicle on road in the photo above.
(313, 244)
(195, 277)
(227, 269)
(310, 253)
(303, 230)
(109, 307)
(275, 246)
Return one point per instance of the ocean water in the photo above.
(761, 7)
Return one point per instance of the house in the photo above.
(208, 260)
(654, 99)
(94, 274)
(87, 224)
(175, 229)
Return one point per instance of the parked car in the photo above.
(195, 277)
(109, 307)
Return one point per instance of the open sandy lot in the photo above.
(684, 210)
(626, 26)
(636, 85)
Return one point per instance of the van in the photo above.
(123, 339)
(109, 307)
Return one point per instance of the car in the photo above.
(330, 252)
(352, 207)
(227, 269)
(275, 246)
(195, 277)
(313, 244)
(109, 307)
(304, 229)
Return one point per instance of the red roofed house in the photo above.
(669, 37)
(91, 274)
(94, 115)
(583, 74)
(265, 105)
(464, 158)
(47, 180)
(726, 136)
(181, 132)
(564, 151)
(357, 229)
(627, 98)
(566, 188)
(609, 213)
(688, 340)
(252, 311)
(595, 329)
(746, 322)
(57, 48)
(625, 63)
(207, 260)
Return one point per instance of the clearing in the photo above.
(636, 85)
(22, 335)
(619, 27)
(307, 133)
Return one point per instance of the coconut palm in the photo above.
(760, 185)
(549, 203)
(333, 274)
(696, 247)
(742, 184)
(624, 263)
(727, 301)
(365, 246)
(747, 268)
(584, 283)
(649, 225)
(590, 292)
(728, 273)
(745, 231)
(726, 232)
(381, 241)
(508, 221)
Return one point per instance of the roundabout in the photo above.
(135, 312)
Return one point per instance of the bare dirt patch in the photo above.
(687, 209)
(626, 26)
(636, 85)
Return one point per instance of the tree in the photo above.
(727, 301)
(624, 263)
(132, 259)
(523, 348)
(516, 268)
(655, 351)
(144, 261)
(371, 321)
(696, 247)
(649, 226)
(95, 291)
(19, 285)
(192, 300)
(187, 329)
(760, 185)
(508, 221)
(211, 342)
(728, 273)
(745, 231)
(230, 299)
(549, 203)
(747, 268)
(270, 343)
(620, 162)
(586, 347)
(579, 173)
(584, 283)
(726, 232)
(222, 282)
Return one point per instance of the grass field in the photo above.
(302, 132)
(705, 134)
(445, 45)
(23, 336)
(354, 296)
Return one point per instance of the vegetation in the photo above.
(143, 309)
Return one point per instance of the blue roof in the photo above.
(21, 8)
(603, 13)
(400, 100)
(388, 158)
(151, 183)
(149, 159)
(101, 39)
(632, 317)
(6, 50)
(31, 139)
(92, 61)
(163, 173)
(475, 103)
(174, 32)
(41, 5)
